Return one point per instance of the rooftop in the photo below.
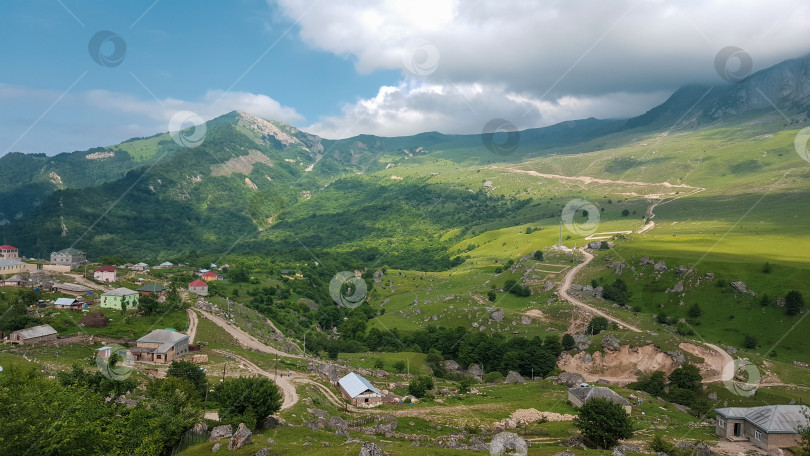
(10, 262)
(105, 269)
(198, 283)
(36, 331)
(72, 287)
(355, 385)
(64, 301)
(71, 251)
(163, 336)
(152, 288)
(7, 247)
(773, 419)
(119, 292)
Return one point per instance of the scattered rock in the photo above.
(661, 266)
(497, 316)
(371, 449)
(681, 270)
(610, 342)
(677, 356)
(216, 447)
(240, 438)
(709, 275)
(566, 452)
(524, 320)
(514, 377)
(713, 396)
(271, 441)
(740, 286)
(508, 443)
(263, 452)
(645, 260)
(677, 288)
(571, 379)
(780, 301)
(221, 432)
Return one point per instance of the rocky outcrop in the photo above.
(497, 316)
(240, 438)
(571, 379)
(661, 266)
(645, 261)
(371, 449)
(740, 286)
(475, 370)
(450, 365)
(677, 288)
(221, 432)
(514, 377)
(610, 342)
(508, 443)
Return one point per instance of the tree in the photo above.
(651, 382)
(420, 385)
(765, 301)
(538, 255)
(597, 325)
(464, 386)
(625, 213)
(794, 301)
(694, 311)
(491, 296)
(333, 348)
(399, 366)
(568, 342)
(148, 305)
(603, 423)
(123, 308)
(191, 372)
(750, 342)
(687, 377)
(248, 400)
(379, 363)
(552, 345)
(767, 268)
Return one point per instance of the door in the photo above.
(737, 429)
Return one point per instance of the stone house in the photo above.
(767, 427)
(68, 257)
(105, 274)
(33, 335)
(198, 287)
(359, 391)
(160, 346)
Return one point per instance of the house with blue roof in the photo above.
(359, 391)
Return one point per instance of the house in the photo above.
(8, 252)
(768, 427)
(64, 303)
(68, 257)
(165, 264)
(198, 287)
(71, 289)
(34, 335)
(160, 346)
(152, 288)
(14, 281)
(209, 276)
(113, 299)
(580, 395)
(105, 274)
(359, 391)
(140, 267)
(10, 260)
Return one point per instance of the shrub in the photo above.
(493, 377)
(568, 342)
(597, 325)
(750, 342)
(419, 386)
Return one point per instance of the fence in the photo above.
(191, 437)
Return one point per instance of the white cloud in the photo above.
(577, 58)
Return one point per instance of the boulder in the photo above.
(514, 377)
(713, 397)
(587, 358)
(263, 452)
(450, 365)
(549, 285)
(497, 316)
(508, 443)
(610, 342)
(475, 370)
(271, 441)
(681, 270)
(216, 447)
(661, 266)
(371, 449)
(622, 450)
(571, 379)
(645, 260)
(524, 320)
(677, 288)
(271, 422)
(565, 453)
(240, 438)
(709, 275)
(677, 356)
(740, 286)
(221, 432)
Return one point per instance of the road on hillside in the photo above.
(287, 389)
(562, 292)
(192, 325)
(244, 338)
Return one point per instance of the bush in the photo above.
(379, 363)
(767, 268)
(491, 296)
(191, 372)
(419, 386)
(694, 311)
(750, 342)
(603, 423)
(597, 325)
(493, 377)
(794, 301)
(652, 383)
(568, 342)
(538, 255)
(399, 366)
(625, 213)
(248, 399)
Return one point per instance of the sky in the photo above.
(77, 74)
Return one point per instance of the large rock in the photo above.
(371, 449)
(475, 370)
(610, 342)
(263, 452)
(221, 432)
(622, 450)
(645, 260)
(514, 377)
(524, 320)
(661, 266)
(450, 365)
(677, 288)
(271, 422)
(216, 447)
(240, 438)
(508, 443)
(565, 453)
(497, 316)
(740, 286)
(571, 379)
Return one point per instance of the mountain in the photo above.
(155, 198)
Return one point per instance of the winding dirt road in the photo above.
(192, 325)
(562, 292)
(245, 339)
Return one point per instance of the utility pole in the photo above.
(305, 344)
(276, 366)
(409, 365)
(223, 371)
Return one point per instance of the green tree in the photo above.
(767, 268)
(794, 301)
(568, 342)
(491, 296)
(148, 305)
(379, 363)
(766, 300)
(750, 342)
(538, 255)
(333, 348)
(464, 386)
(191, 372)
(687, 377)
(420, 385)
(651, 382)
(399, 366)
(694, 311)
(597, 325)
(625, 213)
(603, 423)
(248, 400)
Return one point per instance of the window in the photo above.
(366, 400)
(721, 422)
(757, 434)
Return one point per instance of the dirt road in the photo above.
(287, 389)
(562, 292)
(192, 325)
(87, 283)
(245, 339)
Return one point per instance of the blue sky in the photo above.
(345, 67)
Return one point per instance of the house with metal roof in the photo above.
(768, 427)
(71, 288)
(152, 288)
(580, 395)
(33, 335)
(198, 287)
(64, 303)
(359, 391)
(160, 346)
(106, 274)
(68, 257)
(114, 298)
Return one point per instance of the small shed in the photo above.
(64, 303)
(359, 391)
(33, 335)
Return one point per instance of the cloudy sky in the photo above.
(77, 74)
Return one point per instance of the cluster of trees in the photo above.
(511, 286)
(603, 423)
(617, 292)
(683, 386)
